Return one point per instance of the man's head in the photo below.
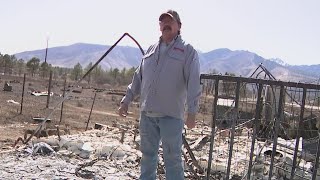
(173, 14)
(170, 24)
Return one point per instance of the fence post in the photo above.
(64, 93)
(316, 166)
(49, 89)
(293, 169)
(235, 114)
(213, 125)
(255, 128)
(276, 129)
(24, 82)
(94, 98)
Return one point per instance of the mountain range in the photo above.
(239, 62)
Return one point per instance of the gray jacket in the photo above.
(167, 84)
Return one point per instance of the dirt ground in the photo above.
(76, 108)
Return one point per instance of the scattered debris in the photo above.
(78, 90)
(46, 132)
(7, 86)
(13, 102)
(40, 148)
(41, 119)
(95, 154)
(41, 93)
(14, 81)
(108, 153)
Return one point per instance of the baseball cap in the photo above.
(173, 14)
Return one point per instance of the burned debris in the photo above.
(276, 123)
(94, 153)
(247, 129)
(7, 86)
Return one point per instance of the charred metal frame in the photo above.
(259, 83)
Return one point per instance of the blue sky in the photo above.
(285, 29)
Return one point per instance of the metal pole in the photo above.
(234, 119)
(64, 93)
(193, 158)
(276, 130)
(298, 133)
(45, 58)
(316, 166)
(24, 82)
(213, 125)
(94, 98)
(255, 128)
(78, 82)
(49, 90)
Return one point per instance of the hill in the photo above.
(239, 62)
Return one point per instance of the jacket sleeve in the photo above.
(133, 89)
(192, 77)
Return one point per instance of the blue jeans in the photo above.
(169, 131)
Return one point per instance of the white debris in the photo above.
(98, 154)
(13, 102)
(41, 93)
(112, 160)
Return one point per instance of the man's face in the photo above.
(168, 26)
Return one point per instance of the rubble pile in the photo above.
(283, 160)
(112, 153)
(92, 154)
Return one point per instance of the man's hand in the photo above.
(191, 121)
(123, 110)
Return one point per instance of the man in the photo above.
(167, 80)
